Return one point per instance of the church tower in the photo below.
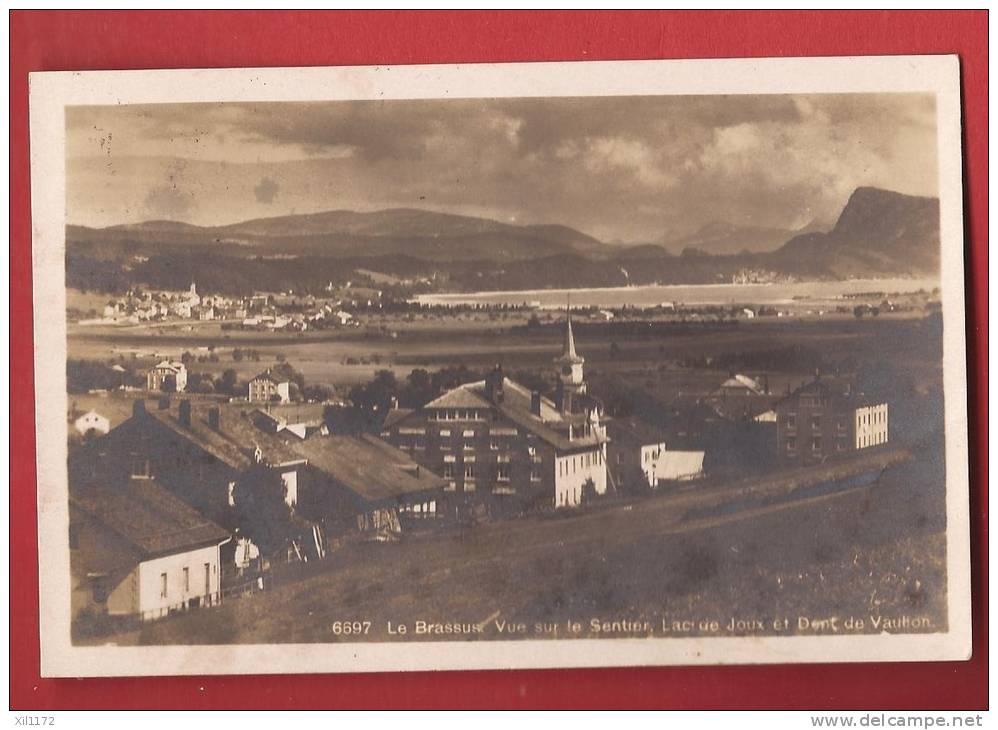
(571, 381)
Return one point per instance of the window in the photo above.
(502, 471)
(620, 457)
(816, 444)
(815, 423)
(187, 579)
(840, 444)
(494, 444)
(207, 579)
(791, 444)
(532, 450)
(448, 471)
(469, 470)
(444, 433)
(535, 474)
(841, 425)
(791, 422)
(162, 585)
(469, 433)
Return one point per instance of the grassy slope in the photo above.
(872, 551)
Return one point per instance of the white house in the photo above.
(91, 423)
(136, 550)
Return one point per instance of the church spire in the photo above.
(568, 353)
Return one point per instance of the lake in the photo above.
(690, 295)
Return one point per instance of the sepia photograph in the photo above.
(452, 367)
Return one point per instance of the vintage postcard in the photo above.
(500, 366)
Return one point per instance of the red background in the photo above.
(47, 41)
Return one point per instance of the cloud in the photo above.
(168, 202)
(616, 167)
(266, 190)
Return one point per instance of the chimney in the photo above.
(535, 403)
(164, 403)
(184, 414)
(214, 418)
(493, 384)
(138, 408)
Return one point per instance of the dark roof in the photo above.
(235, 440)
(634, 429)
(741, 406)
(551, 426)
(395, 415)
(147, 516)
(368, 466)
(840, 388)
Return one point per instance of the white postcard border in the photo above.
(51, 92)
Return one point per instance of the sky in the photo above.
(622, 169)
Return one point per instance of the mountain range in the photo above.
(878, 233)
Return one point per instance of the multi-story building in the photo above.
(828, 417)
(498, 443)
(169, 376)
(269, 387)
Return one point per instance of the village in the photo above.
(191, 500)
(267, 311)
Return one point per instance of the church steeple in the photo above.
(571, 381)
(568, 353)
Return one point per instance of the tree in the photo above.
(262, 510)
(318, 393)
(228, 383)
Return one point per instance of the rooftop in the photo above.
(552, 426)
(368, 466)
(147, 516)
(233, 442)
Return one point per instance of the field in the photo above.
(340, 358)
(875, 551)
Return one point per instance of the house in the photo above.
(137, 550)
(365, 483)
(168, 376)
(638, 457)
(500, 444)
(92, 423)
(632, 450)
(828, 417)
(198, 455)
(269, 386)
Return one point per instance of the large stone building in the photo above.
(500, 444)
(828, 417)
